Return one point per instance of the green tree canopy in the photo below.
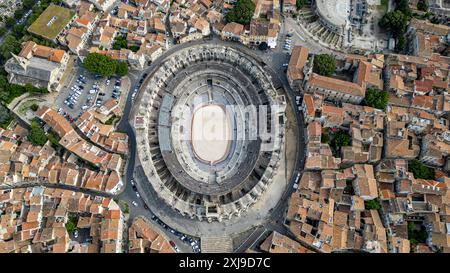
(324, 64)
(120, 42)
(100, 64)
(27, 4)
(403, 7)
(34, 107)
(37, 135)
(325, 137)
(342, 138)
(5, 117)
(72, 223)
(420, 171)
(300, 4)
(394, 22)
(10, 22)
(376, 98)
(121, 69)
(3, 30)
(422, 5)
(19, 13)
(416, 234)
(372, 204)
(9, 45)
(242, 12)
(400, 44)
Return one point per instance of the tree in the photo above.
(18, 30)
(417, 235)
(422, 5)
(10, 45)
(376, 98)
(342, 138)
(300, 4)
(120, 42)
(34, 107)
(18, 14)
(401, 44)
(37, 135)
(372, 204)
(121, 69)
(394, 22)
(100, 64)
(324, 64)
(3, 30)
(403, 7)
(10, 22)
(325, 137)
(5, 117)
(242, 12)
(420, 171)
(54, 139)
(28, 4)
(71, 224)
(263, 46)
(134, 48)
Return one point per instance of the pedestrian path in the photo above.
(221, 244)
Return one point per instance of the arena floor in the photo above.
(211, 133)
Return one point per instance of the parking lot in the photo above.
(85, 90)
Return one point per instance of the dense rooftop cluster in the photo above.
(38, 219)
(144, 238)
(375, 179)
(23, 162)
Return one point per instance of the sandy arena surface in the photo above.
(211, 133)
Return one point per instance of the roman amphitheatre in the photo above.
(195, 120)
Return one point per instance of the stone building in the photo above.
(40, 66)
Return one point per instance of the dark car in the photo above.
(146, 207)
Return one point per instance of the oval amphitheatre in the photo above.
(193, 126)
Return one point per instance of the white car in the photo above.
(134, 203)
(132, 181)
(137, 194)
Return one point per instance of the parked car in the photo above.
(134, 203)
